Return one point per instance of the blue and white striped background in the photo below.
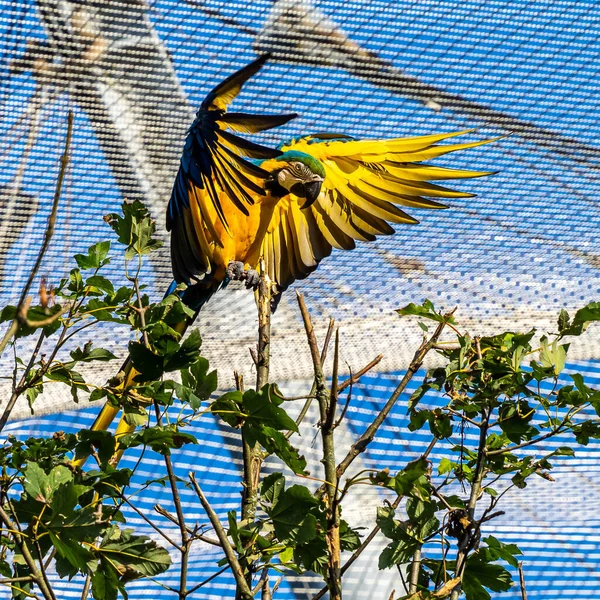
(526, 246)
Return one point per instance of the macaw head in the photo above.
(301, 174)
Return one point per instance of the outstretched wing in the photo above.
(366, 182)
(215, 174)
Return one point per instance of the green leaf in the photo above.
(135, 416)
(41, 487)
(403, 545)
(412, 480)
(563, 320)
(480, 574)
(271, 487)
(563, 451)
(100, 283)
(160, 438)
(234, 532)
(440, 424)
(88, 354)
(420, 392)
(135, 229)
(426, 311)
(95, 258)
(75, 557)
(418, 418)
(138, 554)
(32, 393)
(291, 509)
(8, 313)
(101, 441)
(106, 584)
(109, 481)
(514, 420)
(445, 466)
(275, 442)
(149, 365)
(228, 407)
(263, 409)
(581, 320)
(349, 538)
(187, 354)
(553, 356)
(75, 281)
(586, 430)
(35, 313)
(312, 556)
(202, 383)
(65, 499)
(497, 550)
(385, 521)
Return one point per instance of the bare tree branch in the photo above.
(242, 585)
(35, 572)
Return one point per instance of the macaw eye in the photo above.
(299, 170)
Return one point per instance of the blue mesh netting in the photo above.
(512, 256)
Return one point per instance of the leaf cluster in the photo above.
(508, 388)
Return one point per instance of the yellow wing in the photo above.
(215, 176)
(366, 182)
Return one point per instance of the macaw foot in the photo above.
(236, 272)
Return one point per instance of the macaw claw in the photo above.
(237, 272)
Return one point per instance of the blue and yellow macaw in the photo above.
(235, 201)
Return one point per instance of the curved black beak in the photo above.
(312, 189)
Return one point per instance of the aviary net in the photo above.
(524, 247)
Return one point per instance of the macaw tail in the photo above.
(195, 297)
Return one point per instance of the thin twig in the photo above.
(85, 592)
(266, 589)
(277, 584)
(153, 525)
(24, 579)
(64, 161)
(141, 310)
(374, 531)
(24, 300)
(208, 579)
(264, 329)
(415, 569)
(263, 576)
(541, 438)
(465, 543)
(327, 407)
(43, 568)
(333, 394)
(399, 567)
(236, 569)
(185, 542)
(367, 437)
(252, 453)
(461, 416)
(23, 320)
(327, 341)
(346, 405)
(311, 396)
(354, 378)
(522, 582)
(193, 534)
(35, 573)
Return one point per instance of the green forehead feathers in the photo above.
(312, 163)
